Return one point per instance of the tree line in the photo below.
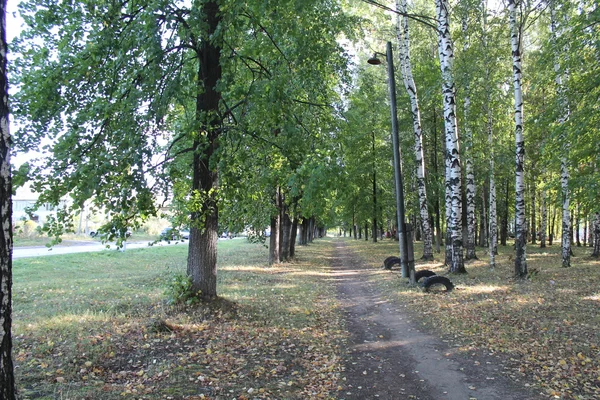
(255, 114)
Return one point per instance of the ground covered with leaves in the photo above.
(96, 326)
(546, 329)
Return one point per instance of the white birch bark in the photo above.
(467, 156)
(596, 224)
(453, 183)
(409, 83)
(493, 214)
(564, 163)
(7, 380)
(520, 223)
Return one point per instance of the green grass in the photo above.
(96, 326)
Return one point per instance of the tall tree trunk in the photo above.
(7, 377)
(374, 194)
(286, 236)
(438, 228)
(504, 223)
(402, 33)
(596, 252)
(520, 223)
(467, 155)
(533, 214)
(591, 231)
(453, 183)
(366, 230)
(493, 215)
(585, 231)
(564, 164)
(552, 226)
(577, 223)
(544, 222)
(293, 235)
(202, 252)
(274, 244)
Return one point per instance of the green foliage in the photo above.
(179, 291)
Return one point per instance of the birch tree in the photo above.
(492, 211)
(562, 137)
(520, 223)
(467, 154)
(453, 175)
(402, 32)
(7, 378)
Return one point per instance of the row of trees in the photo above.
(501, 196)
(250, 114)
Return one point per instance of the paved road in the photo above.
(81, 247)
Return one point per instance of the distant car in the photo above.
(170, 233)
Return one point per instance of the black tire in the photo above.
(424, 273)
(390, 262)
(433, 284)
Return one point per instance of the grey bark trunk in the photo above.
(402, 32)
(202, 253)
(544, 222)
(520, 222)
(293, 236)
(453, 177)
(7, 377)
(286, 228)
(274, 240)
(596, 252)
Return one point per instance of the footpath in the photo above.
(390, 358)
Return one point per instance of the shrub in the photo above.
(179, 291)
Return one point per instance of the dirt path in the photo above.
(391, 359)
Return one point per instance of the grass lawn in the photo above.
(96, 326)
(547, 328)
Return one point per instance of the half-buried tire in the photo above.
(424, 273)
(390, 262)
(437, 283)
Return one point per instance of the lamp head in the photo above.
(374, 60)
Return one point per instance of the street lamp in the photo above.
(407, 261)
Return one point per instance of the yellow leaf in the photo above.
(208, 351)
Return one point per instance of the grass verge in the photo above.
(546, 328)
(95, 326)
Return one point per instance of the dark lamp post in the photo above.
(406, 260)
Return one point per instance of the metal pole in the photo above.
(397, 166)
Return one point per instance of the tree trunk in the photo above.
(544, 222)
(577, 223)
(520, 222)
(552, 226)
(7, 377)
(591, 231)
(286, 230)
(467, 155)
(564, 163)
(202, 253)
(533, 214)
(453, 177)
(438, 228)
(293, 234)
(402, 33)
(492, 210)
(596, 252)
(366, 231)
(274, 247)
